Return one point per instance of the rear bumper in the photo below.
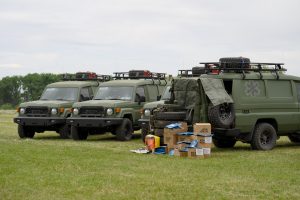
(94, 122)
(39, 121)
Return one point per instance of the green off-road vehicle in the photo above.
(49, 113)
(149, 107)
(117, 106)
(254, 103)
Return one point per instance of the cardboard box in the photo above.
(203, 128)
(206, 152)
(170, 135)
(195, 153)
(187, 138)
(170, 139)
(180, 146)
(204, 141)
(179, 153)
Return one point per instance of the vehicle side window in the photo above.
(84, 94)
(140, 94)
(152, 92)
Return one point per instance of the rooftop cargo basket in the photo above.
(139, 74)
(85, 76)
(241, 65)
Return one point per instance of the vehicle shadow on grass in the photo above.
(247, 147)
(48, 137)
(109, 137)
(91, 138)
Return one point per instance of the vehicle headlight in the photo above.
(75, 111)
(147, 112)
(22, 111)
(109, 111)
(53, 111)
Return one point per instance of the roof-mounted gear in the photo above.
(139, 74)
(241, 65)
(86, 76)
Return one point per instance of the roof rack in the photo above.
(139, 74)
(185, 73)
(86, 76)
(254, 67)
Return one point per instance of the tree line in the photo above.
(17, 89)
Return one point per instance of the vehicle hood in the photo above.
(154, 104)
(104, 103)
(46, 103)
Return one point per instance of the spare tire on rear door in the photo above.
(222, 115)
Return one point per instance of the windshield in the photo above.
(67, 94)
(114, 93)
(167, 94)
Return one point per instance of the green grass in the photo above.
(47, 167)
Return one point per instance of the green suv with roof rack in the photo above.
(255, 103)
(117, 106)
(50, 112)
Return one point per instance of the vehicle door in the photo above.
(140, 100)
(297, 84)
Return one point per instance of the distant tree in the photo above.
(10, 90)
(34, 84)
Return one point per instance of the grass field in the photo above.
(47, 167)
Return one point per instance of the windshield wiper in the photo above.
(98, 99)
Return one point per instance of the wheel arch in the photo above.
(128, 116)
(271, 121)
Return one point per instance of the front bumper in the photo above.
(94, 122)
(39, 121)
(143, 122)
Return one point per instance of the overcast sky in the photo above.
(161, 35)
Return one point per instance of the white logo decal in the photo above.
(252, 88)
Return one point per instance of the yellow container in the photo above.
(152, 142)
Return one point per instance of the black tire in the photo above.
(264, 137)
(124, 131)
(176, 116)
(224, 142)
(235, 62)
(197, 71)
(221, 116)
(65, 132)
(25, 132)
(144, 132)
(78, 134)
(295, 138)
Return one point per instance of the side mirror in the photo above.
(158, 97)
(142, 99)
(139, 98)
(83, 98)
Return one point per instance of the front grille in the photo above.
(37, 111)
(91, 112)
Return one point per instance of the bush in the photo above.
(7, 106)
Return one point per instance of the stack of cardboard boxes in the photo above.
(196, 144)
